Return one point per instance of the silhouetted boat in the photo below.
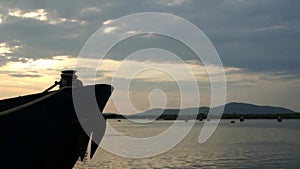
(242, 119)
(42, 131)
(279, 119)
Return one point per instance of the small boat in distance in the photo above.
(242, 119)
(43, 131)
(279, 119)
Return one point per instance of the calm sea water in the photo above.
(251, 144)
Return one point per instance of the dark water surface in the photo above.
(251, 144)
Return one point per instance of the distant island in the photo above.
(232, 110)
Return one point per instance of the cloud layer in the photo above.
(258, 41)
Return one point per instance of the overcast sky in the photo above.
(257, 41)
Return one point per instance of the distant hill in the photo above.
(245, 108)
(231, 111)
(188, 111)
(230, 108)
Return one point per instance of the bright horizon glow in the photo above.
(36, 75)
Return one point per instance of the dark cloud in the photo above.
(3, 61)
(136, 43)
(254, 35)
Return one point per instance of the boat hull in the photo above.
(45, 133)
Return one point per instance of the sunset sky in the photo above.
(257, 41)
